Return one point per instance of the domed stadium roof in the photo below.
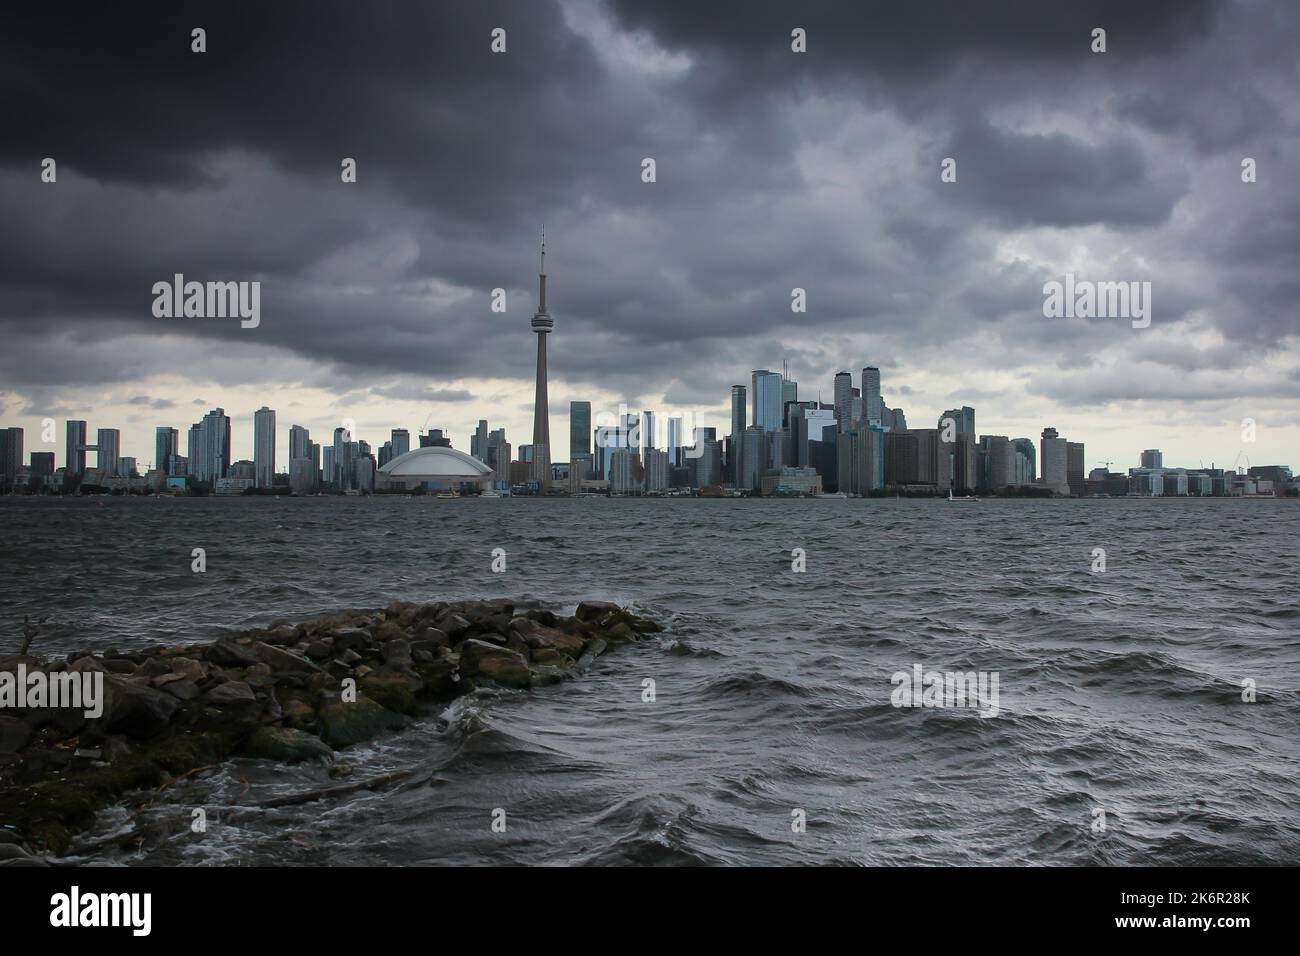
(435, 463)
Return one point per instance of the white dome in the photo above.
(435, 463)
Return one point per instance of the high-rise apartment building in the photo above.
(11, 455)
(843, 399)
(736, 437)
(75, 448)
(299, 443)
(1075, 474)
(164, 448)
(478, 440)
(873, 406)
(264, 447)
(109, 450)
(209, 446)
(1055, 461)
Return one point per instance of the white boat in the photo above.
(961, 497)
(833, 494)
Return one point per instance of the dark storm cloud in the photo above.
(775, 171)
(1056, 180)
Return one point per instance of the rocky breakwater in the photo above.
(284, 693)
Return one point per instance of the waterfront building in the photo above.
(264, 447)
(873, 406)
(108, 447)
(768, 389)
(1055, 461)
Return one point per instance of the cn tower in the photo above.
(542, 325)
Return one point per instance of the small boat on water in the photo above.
(446, 494)
(833, 494)
(951, 497)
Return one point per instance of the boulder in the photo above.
(286, 744)
(231, 692)
(281, 660)
(14, 735)
(351, 639)
(183, 689)
(593, 610)
(568, 644)
(227, 652)
(135, 710)
(154, 667)
(350, 723)
(188, 667)
(387, 631)
(481, 659)
(621, 631)
(453, 625)
(393, 688)
(397, 651)
(281, 636)
(594, 649)
(430, 638)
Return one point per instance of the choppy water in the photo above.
(1119, 690)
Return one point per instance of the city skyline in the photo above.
(825, 177)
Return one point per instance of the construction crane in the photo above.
(1108, 462)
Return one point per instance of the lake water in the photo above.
(1119, 692)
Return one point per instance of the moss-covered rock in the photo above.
(285, 744)
(346, 723)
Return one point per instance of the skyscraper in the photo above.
(341, 476)
(164, 448)
(648, 437)
(963, 420)
(542, 325)
(401, 441)
(299, 443)
(871, 394)
(843, 399)
(1074, 467)
(478, 440)
(264, 447)
(580, 429)
(674, 444)
(1025, 466)
(1152, 458)
(209, 446)
(11, 455)
(789, 395)
(75, 453)
(735, 441)
(768, 391)
(109, 446)
(1054, 457)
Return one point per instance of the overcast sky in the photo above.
(775, 170)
